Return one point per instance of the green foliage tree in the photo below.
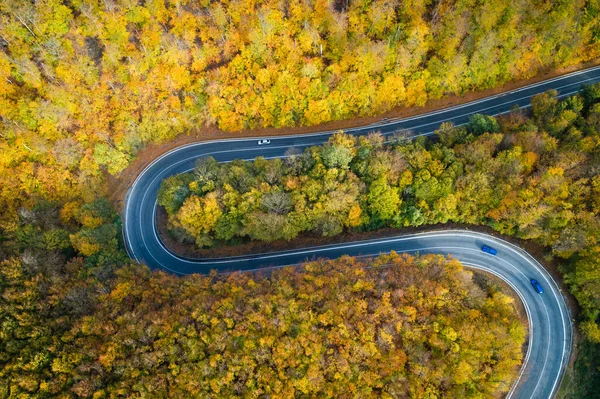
(479, 124)
(383, 199)
(173, 192)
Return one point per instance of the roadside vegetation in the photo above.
(403, 327)
(581, 381)
(535, 178)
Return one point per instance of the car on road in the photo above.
(537, 286)
(489, 250)
(264, 141)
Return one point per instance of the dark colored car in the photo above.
(537, 286)
(489, 250)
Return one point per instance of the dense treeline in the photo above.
(86, 84)
(47, 286)
(532, 177)
(417, 327)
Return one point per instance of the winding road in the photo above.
(550, 328)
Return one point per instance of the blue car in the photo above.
(489, 250)
(537, 286)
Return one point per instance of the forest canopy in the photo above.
(86, 84)
(406, 326)
(533, 177)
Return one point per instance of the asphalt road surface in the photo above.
(550, 327)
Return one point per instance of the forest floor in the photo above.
(118, 185)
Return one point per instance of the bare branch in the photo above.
(25, 24)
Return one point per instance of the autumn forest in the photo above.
(87, 85)
(534, 178)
